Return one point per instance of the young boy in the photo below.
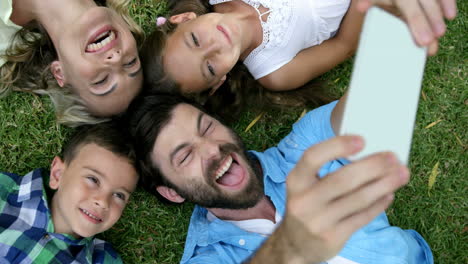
(86, 194)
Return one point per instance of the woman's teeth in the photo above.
(224, 168)
(99, 44)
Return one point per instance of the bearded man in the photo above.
(242, 198)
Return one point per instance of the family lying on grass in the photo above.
(293, 203)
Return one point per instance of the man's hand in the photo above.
(424, 17)
(323, 213)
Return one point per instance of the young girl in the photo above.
(80, 53)
(284, 44)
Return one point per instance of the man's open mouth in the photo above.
(230, 173)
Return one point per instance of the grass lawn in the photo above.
(150, 232)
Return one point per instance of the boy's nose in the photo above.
(101, 201)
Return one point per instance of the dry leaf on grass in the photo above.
(433, 124)
(434, 173)
(254, 121)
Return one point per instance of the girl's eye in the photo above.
(101, 81)
(131, 63)
(195, 40)
(93, 180)
(119, 195)
(211, 70)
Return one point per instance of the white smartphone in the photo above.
(385, 86)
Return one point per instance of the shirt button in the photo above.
(241, 242)
(46, 236)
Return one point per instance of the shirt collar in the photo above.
(31, 186)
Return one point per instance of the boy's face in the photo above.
(92, 191)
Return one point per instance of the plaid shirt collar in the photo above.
(33, 185)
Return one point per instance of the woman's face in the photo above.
(98, 57)
(201, 51)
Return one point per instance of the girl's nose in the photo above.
(114, 56)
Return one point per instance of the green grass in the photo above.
(151, 232)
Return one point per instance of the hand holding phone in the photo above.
(385, 86)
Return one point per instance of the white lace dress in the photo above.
(291, 26)
(7, 28)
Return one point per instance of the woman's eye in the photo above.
(120, 196)
(207, 128)
(211, 69)
(195, 40)
(131, 63)
(103, 80)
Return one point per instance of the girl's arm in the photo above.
(316, 60)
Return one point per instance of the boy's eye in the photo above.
(103, 80)
(119, 195)
(195, 40)
(211, 69)
(93, 179)
(131, 63)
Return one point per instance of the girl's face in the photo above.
(201, 51)
(98, 57)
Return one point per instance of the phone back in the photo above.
(385, 86)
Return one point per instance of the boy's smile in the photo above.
(92, 191)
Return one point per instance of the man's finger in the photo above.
(417, 21)
(353, 176)
(449, 8)
(434, 14)
(362, 198)
(349, 225)
(433, 47)
(304, 174)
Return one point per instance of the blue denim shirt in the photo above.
(222, 242)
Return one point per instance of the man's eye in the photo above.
(185, 157)
(131, 63)
(211, 69)
(195, 40)
(101, 81)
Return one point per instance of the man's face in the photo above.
(92, 191)
(205, 161)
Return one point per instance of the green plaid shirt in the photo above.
(27, 232)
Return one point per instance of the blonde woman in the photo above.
(83, 54)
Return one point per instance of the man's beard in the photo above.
(208, 194)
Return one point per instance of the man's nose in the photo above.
(210, 150)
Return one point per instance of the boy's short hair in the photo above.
(108, 135)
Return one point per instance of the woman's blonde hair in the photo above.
(27, 68)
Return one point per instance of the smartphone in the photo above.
(385, 86)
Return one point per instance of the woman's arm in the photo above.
(316, 60)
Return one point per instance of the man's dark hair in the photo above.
(107, 135)
(147, 116)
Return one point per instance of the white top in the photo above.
(7, 28)
(266, 227)
(291, 26)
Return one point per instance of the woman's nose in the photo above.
(114, 56)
